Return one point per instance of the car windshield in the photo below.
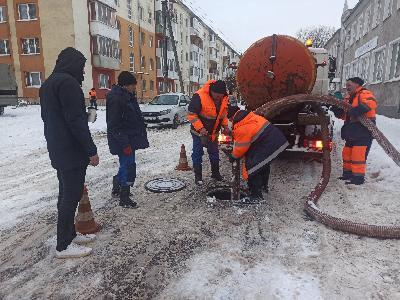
(165, 100)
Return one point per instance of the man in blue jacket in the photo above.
(126, 132)
(70, 145)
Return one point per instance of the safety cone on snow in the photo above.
(183, 162)
(84, 220)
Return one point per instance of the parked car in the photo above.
(166, 110)
(8, 87)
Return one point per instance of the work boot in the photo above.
(116, 187)
(198, 174)
(356, 180)
(215, 174)
(347, 175)
(124, 199)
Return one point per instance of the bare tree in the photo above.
(320, 35)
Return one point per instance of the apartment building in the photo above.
(114, 35)
(368, 45)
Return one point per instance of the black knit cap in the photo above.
(126, 78)
(218, 87)
(357, 80)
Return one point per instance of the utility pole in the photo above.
(165, 44)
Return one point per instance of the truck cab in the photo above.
(8, 87)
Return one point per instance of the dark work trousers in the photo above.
(70, 192)
(198, 152)
(93, 103)
(127, 169)
(259, 180)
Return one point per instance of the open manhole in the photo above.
(165, 185)
(221, 194)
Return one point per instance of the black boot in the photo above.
(198, 174)
(215, 174)
(357, 180)
(124, 199)
(347, 175)
(116, 187)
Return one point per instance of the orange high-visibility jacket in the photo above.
(365, 98)
(208, 117)
(92, 94)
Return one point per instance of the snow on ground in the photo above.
(178, 246)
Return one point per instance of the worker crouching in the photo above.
(208, 112)
(257, 142)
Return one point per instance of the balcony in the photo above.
(214, 58)
(194, 78)
(159, 29)
(197, 49)
(170, 53)
(109, 3)
(105, 62)
(213, 44)
(98, 28)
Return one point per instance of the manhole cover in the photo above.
(165, 185)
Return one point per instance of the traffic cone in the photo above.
(84, 220)
(183, 162)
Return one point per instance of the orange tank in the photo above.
(275, 67)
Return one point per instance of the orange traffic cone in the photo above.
(84, 220)
(183, 162)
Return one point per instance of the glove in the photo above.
(338, 112)
(127, 150)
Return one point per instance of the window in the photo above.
(151, 85)
(116, 2)
(143, 62)
(377, 13)
(129, 7)
(394, 61)
(4, 47)
(30, 46)
(346, 74)
(387, 9)
(353, 33)
(130, 36)
(151, 40)
(131, 63)
(151, 64)
(363, 67)
(360, 27)
(3, 14)
(367, 20)
(150, 17)
(378, 59)
(104, 81)
(105, 47)
(187, 56)
(158, 63)
(143, 85)
(33, 79)
(141, 17)
(143, 38)
(27, 11)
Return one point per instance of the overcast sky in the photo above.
(244, 22)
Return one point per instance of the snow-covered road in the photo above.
(179, 247)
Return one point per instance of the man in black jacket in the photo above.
(126, 132)
(69, 143)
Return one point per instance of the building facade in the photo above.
(114, 35)
(368, 45)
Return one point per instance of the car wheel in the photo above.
(175, 122)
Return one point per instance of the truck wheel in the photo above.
(1, 110)
(175, 122)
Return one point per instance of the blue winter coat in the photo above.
(125, 123)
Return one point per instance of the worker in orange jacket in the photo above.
(93, 98)
(358, 138)
(258, 142)
(208, 112)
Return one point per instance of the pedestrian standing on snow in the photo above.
(70, 145)
(358, 138)
(126, 133)
(257, 142)
(208, 112)
(93, 98)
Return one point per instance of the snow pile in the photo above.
(227, 275)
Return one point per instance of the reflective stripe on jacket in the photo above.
(208, 116)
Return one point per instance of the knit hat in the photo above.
(218, 87)
(126, 78)
(356, 80)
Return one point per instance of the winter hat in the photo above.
(126, 78)
(357, 80)
(218, 87)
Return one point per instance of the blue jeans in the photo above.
(198, 152)
(127, 169)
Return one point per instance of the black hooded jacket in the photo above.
(63, 112)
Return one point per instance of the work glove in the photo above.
(127, 150)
